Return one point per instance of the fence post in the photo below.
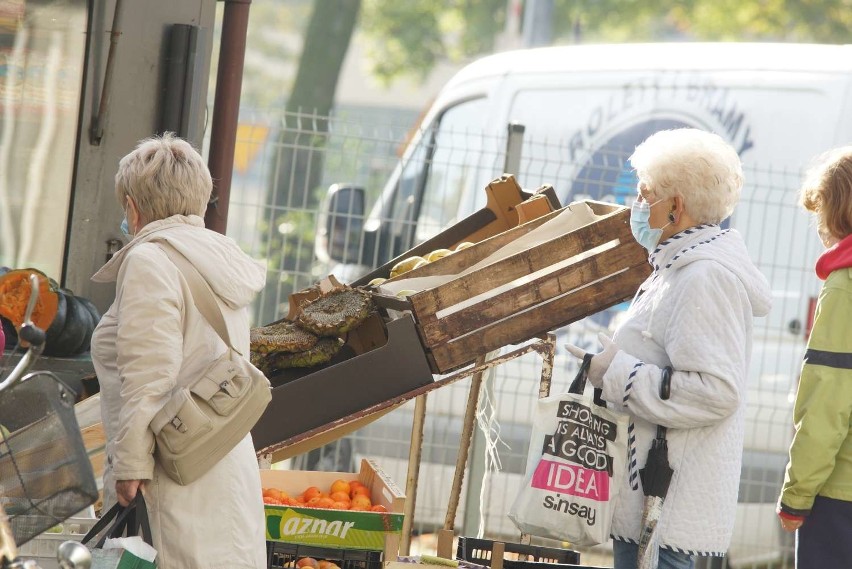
(514, 145)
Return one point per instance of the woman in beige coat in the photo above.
(153, 338)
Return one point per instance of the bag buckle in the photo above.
(178, 424)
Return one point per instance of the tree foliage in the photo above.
(408, 38)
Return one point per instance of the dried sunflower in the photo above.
(284, 336)
(337, 311)
(321, 353)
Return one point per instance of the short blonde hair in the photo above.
(827, 192)
(165, 176)
(699, 166)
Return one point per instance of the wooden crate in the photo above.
(507, 206)
(532, 291)
(349, 529)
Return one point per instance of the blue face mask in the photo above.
(125, 229)
(640, 226)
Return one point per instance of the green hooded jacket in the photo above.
(821, 451)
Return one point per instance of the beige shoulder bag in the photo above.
(204, 421)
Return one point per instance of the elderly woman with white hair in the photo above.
(694, 316)
(153, 338)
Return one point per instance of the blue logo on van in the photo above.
(607, 176)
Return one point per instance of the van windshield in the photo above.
(454, 140)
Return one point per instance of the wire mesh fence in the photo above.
(285, 165)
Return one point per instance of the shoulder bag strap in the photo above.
(202, 296)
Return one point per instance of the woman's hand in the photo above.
(790, 523)
(600, 361)
(126, 490)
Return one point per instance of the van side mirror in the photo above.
(341, 224)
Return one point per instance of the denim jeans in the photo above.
(625, 555)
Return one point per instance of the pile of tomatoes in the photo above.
(342, 495)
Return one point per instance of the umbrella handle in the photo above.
(665, 393)
(666, 383)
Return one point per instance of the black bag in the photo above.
(120, 521)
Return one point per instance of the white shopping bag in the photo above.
(578, 453)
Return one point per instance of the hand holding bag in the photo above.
(112, 550)
(577, 458)
(204, 421)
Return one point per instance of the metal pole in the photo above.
(414, 454)
(538, 23)
(514, 146)
(98, 122)
(467, 432)
(226, 110)
(548, 355)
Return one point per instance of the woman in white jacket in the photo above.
(694, 314)
(153, 338)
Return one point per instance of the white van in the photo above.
(582, 110)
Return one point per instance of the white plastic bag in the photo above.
(578, 453)
(134, 544)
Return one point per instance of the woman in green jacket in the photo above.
(817, 496)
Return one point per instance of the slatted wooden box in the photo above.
(563, 279)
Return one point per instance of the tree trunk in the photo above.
(293, 186)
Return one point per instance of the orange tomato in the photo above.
(311, 492)
(340, 486)
(360, 491)
(324, 502)
(275, 494)
(307, 562)
(340, 496)
(361, 501)
(341, 505)
(378, 508)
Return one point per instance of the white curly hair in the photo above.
(697, 165)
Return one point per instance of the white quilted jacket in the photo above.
(693, 313)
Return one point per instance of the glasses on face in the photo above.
(643, 195)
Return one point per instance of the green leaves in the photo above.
(410, 37)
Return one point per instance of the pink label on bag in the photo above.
(572, 480)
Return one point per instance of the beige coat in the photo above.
(151, 339)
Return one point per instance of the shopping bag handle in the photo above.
(578, 386)
(120, 519)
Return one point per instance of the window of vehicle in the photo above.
(451, 167)
(42, 47)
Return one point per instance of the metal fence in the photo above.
(286, 163)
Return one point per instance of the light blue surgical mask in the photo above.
(125, 228)
(640, 226)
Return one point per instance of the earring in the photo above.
(671, 216)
